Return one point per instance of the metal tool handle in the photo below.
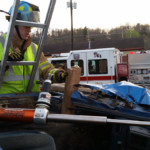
(27, 115)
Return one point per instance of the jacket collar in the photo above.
(15, 43)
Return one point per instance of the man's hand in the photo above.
(59, 76)
(15, 56)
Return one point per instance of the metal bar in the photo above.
(93, 119)
(76, 118)
(129, 122)
(42, 39)
(29, 24)
(8, 39)
(27, 115)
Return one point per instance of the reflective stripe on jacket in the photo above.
(17, 76)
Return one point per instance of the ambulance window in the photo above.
(98, 66)
(79, 63)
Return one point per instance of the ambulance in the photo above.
(98, 66)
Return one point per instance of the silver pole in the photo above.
(92, 119)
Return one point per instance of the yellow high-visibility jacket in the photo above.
(16, 78)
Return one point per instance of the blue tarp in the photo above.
(126, 91)
(118, 110)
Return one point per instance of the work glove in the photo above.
(15, 56)
(59, 76)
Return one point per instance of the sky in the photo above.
(103, 14)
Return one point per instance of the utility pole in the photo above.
(72, 6)
(71, 14)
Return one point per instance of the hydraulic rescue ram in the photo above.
(27, 115)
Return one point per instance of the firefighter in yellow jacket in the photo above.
(16, 77)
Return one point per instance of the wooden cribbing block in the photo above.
(72, 78)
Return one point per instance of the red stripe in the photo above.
(97, 78)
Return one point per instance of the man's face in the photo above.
(24, 32)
